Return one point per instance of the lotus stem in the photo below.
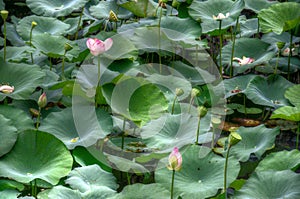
(63, 66)
(79, 22)
(172, 184)
(33, 24)
(290, 54)
(245, 109)
(38, 119)
(4, 42)
(225, 171)
(159, 40)
(233, 46)
(297, 139)
(123, 133)
(198, 130)
(221, 46)
(277, 60)
(128, 178)
(99, 72)
(173, 105)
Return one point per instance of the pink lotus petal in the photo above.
(97, 46)
(7, 89)
(175, 160)
(108, 43)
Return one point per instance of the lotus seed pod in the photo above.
(33, 24)
(280, 45)
(112, 16)
(194, 92)
(234, 138)
(175, 3)
(202, 110)
(4, 14)
(68, 47)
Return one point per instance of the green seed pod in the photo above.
(68, 47)
(234, 138)
(179, 92)
(280, 45)
(202, 110)
(4, 14)
(194, 92)
(33, 24)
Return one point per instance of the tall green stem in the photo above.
(159, 40)
(4, 42)
(225, 171)
(233, 46)
(221, 46)
(173, 105)
(99, 72)
(79, 22)
(290, 54)
(245, 109)
(277, 60)
(198, 130)
(63, 66)
(172, 184)
(297, 140)
(123, 133)
(38, 119)
(30, 43)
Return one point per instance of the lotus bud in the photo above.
(4, 14)
(33, 24)
(179, 92)
(68, 47)
(6, 89)
(175, 160)
(34, 112)
(280, 45)
(42, 102)
(234, 138)
(202, 110)
(194, 92)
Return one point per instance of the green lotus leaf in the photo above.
(10, 184)
(9, 194)
(62, 125)
(48, 25)
(248, 47)
(189, 29)
(88, 178)
(54, 46)
(271, 184)
(60, 192)
(126, 165)
(143, 8)
(140, 191)
(280, 161)
(18, 54)
(36, 155)
(293, 95)
(2, 5)
(249, 110)
(102, 9)
(24, 77)
(287, 113)
(237, 84)
(137, 100)
(204, 10)
(257, 5)
(13, 37)
(19, 118)
(8, 135)
(261, 91)
(279, 17)
(55, 8)
(175, 130)
(73, 22)
(248, 27)
(200, 177)
(255, 140)
(273, 38)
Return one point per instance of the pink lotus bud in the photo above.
(244, 61)
(175, 160)
(42, 102)
(221, 16)
(97, 46)
(7, 89)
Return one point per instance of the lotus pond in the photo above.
(149, 99)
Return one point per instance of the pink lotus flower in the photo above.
(7, 89)
(244, 60)
(97, 46)
(175, 160)
(221, 16)
(286, 52)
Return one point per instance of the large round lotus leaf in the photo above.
(261, 91)
(54, 46)
(287, 113)
(293, 95)
(44, 25)
(200, 177)
(102, 9)
(279, 17)
(36, 155)
(25, 78)
(273, 38)
(9, 194)
(89, 178)
(279, 161)
(55, 8)
(141, 191)
(138, 100)
(189, 29)
(257, 5)
(270, 185)
(143, 8)
(204, 11)
(255, 140)
(62, 125)
(237, 84)
(8, 135)
(175, 130)
(248, 27)
(18, 54)
(19, 118)
(126, 165)
(248, 47)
